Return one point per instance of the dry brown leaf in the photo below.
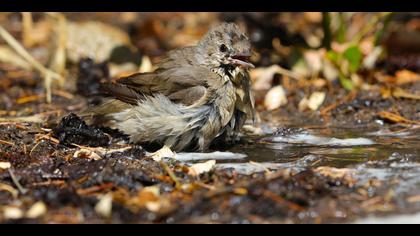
(164, 152)
(401, 77)
(37, 210)
(104, 205)
(406, 76)
(275, 98)
(314, 60)
(12, 213)
(86, 153)
(262, 77)
(343, 174)
(102, 151)
(158, 206)
(401, 93)
(316, 100)
(200, 168)
(5, 165)
(396, 118)
(413, 199)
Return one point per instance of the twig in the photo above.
(27, 23)
(27, 99)
(30, 119)
(33, 148)
(267, 171)
(94, 189)
(47, 137)
(58, 62)
(6, 142)
(21, 189)
(281, 201)
(46, 73)
(171, 174)
(397, 118)
(289, 73)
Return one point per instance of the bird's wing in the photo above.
(185, 85)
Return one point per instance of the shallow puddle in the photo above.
(335, 147)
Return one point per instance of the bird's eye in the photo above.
(223, 48)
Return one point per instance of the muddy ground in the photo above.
(43, 169)
(54, 168)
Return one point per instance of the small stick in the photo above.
(171, 174)
(27, 23)
(6, 142)
(33, 148)
(21, 189)
(47, 74)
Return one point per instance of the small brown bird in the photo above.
(197, 94)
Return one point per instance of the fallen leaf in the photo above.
(12, 213)
(37, 210)
(104, 205)
(396, 118)
(200, 168)
(314, 60)
(413, 199)
(10, 189)
(164, 152)
(86, 153)
(316, 100)
(5, 165)
(262, 77)
(240, 191)
(406, 77)
(401, 93)
(329, 71)
(275, 98)
(401, 77)
(152, 189)
(370, 60)
(158, 206)
(303, 104)
(343, 174)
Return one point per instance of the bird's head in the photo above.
(225, 48)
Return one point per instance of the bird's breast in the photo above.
(225, 102)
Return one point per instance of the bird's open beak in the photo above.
(242, 61)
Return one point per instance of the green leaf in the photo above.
(333, 56)
(354, 56)
(346, 83)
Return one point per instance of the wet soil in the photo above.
(293, 186)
